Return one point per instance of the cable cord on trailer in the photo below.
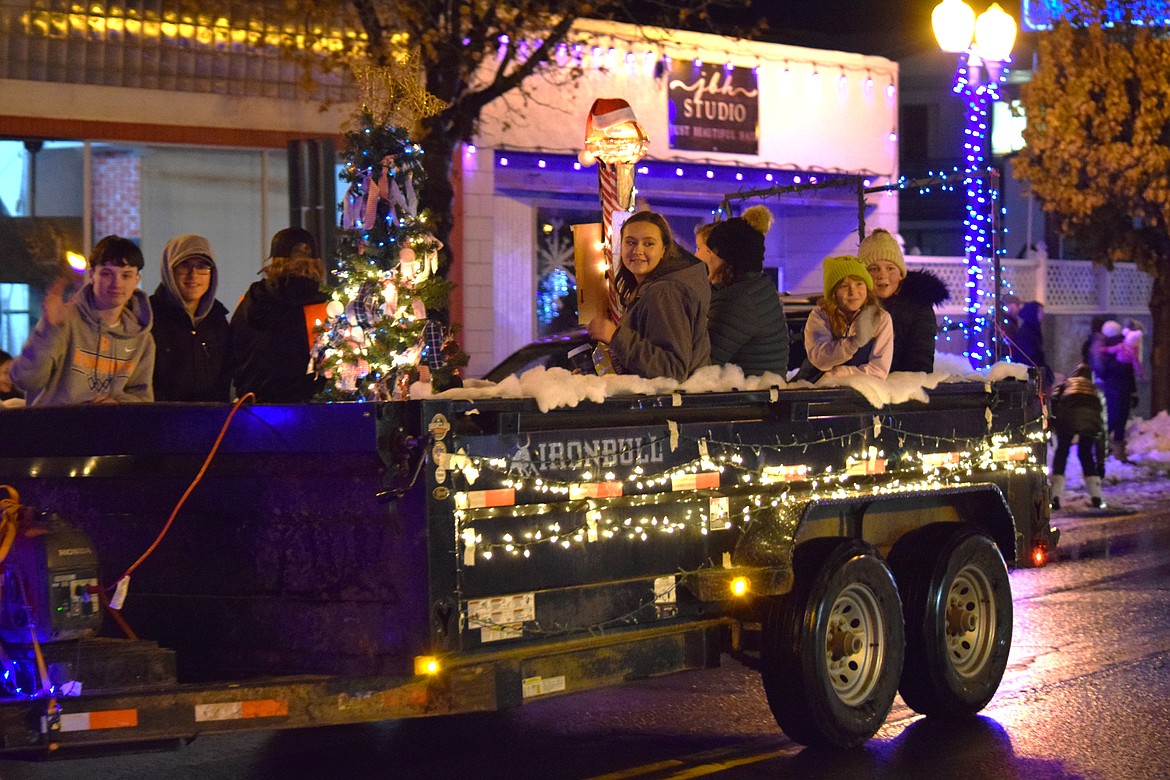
(119, 588)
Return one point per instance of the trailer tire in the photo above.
(957, 605)
(832, 647)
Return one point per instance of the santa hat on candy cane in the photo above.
(607, 112)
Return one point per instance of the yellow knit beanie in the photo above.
(837, 268)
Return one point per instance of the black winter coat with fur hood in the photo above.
(915, 326)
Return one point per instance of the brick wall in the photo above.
(117, 194)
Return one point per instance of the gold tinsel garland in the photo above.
(394, 93)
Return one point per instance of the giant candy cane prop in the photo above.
(613, 136)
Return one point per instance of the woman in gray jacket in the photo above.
(663, 332)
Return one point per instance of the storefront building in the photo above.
(153, 131)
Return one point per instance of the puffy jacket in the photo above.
(915, 326)
(1078, 407)
(191, 358)
(747, 326)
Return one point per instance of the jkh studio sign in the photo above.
(713, 108)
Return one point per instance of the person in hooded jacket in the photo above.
(746, 322)
(1029, 345)
(271, 329)
(663, 332)
(190, 326)
(908, 296)
(96, 346)
(1078, 411)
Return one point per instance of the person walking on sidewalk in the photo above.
(1078, 411)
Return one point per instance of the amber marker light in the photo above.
(740, 586)
(426, 664)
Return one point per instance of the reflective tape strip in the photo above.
(91, 721)
(479, 499)
(238, 710)
(876, 466)
(700, 481)
(579, 490)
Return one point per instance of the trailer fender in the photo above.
(883, 519)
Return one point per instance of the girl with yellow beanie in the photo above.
(848, 334)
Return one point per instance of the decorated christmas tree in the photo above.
(387, 321)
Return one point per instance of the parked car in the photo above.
(553, 351)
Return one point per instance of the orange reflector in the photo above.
(1039, 555)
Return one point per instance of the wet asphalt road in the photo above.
(1086, 695)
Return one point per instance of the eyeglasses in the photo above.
(198, 269)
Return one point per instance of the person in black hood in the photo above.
(909, 297)
(746, 321)
(271, 330)
(190, 326)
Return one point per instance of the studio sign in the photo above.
(713, 109)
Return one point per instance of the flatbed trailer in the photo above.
(347, 563)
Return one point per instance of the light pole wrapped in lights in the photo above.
(614, 138)
(985, 43)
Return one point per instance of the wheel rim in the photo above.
(854, 644)
(970, 621)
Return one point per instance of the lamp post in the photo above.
(984, 44)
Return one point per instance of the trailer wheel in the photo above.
(832, 647)
(957, 605)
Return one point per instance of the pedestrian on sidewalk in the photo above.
(1118, 382)
(1078, 412)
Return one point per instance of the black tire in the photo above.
(832, 647)
(957, 605)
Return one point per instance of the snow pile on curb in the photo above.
(1148, 441)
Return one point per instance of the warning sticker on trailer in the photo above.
(664, 589)
(539, 686)
(93, 721)
(501, 617)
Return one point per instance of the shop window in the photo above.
(556, 276)
(14, 317)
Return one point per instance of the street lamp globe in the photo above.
(995, 34)
(954, 24)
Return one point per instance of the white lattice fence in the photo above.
(1068, 286)
(1071, 284)
(1129, 289)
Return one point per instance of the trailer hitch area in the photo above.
(404, 456)
(441, 614)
